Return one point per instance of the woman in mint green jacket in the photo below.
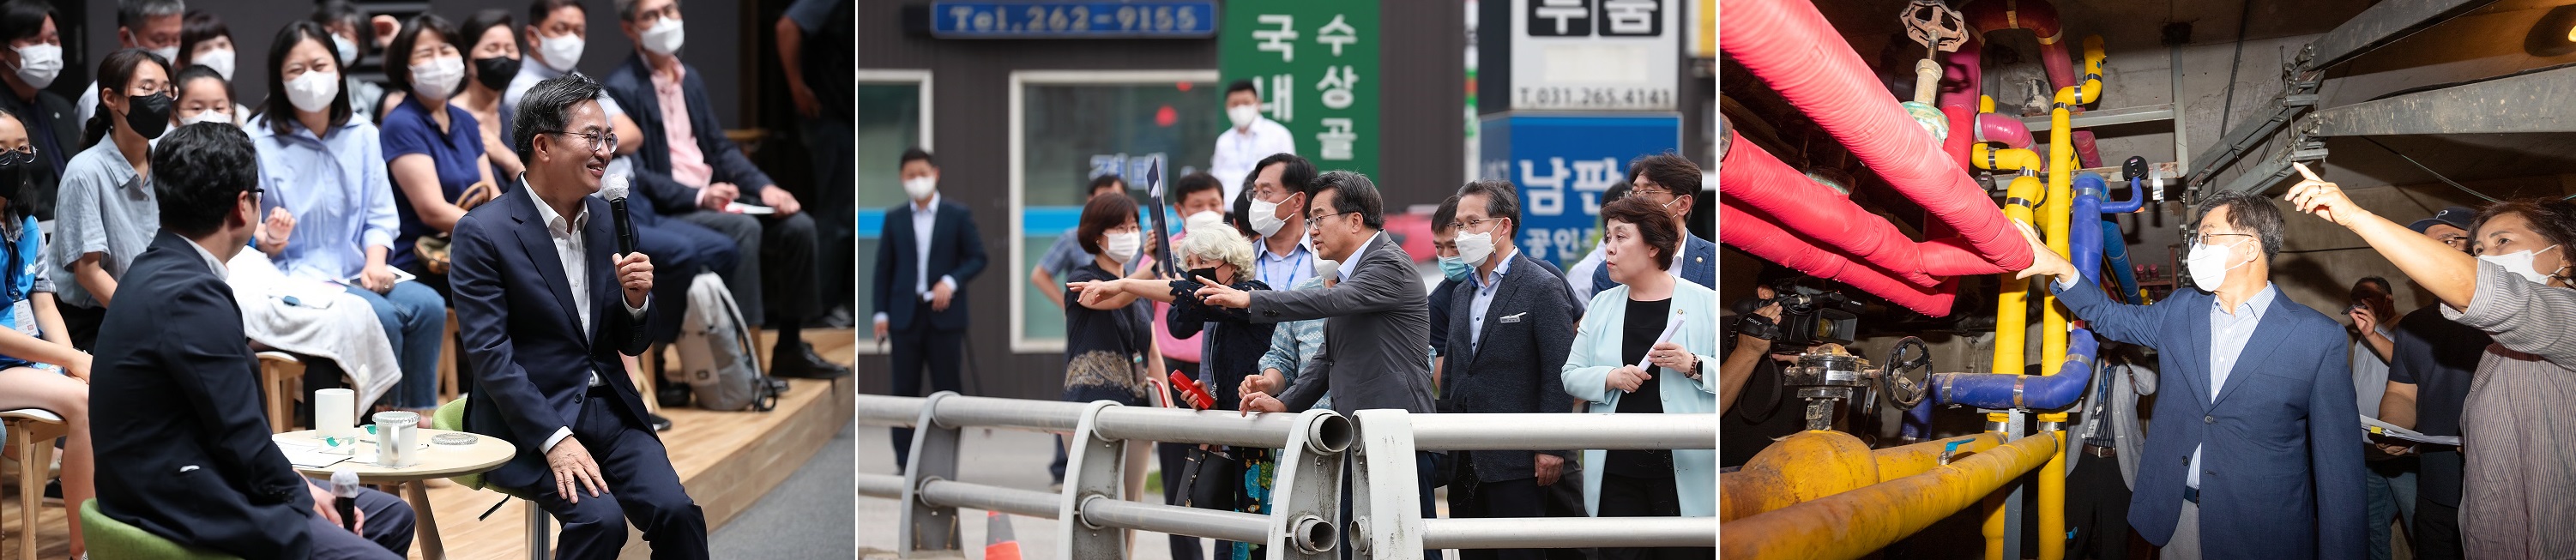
(1618, 332)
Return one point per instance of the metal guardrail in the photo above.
(1304, 519)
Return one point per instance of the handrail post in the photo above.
(1386, 516)
(1093, 467)
(1306, 495)
(926, 527)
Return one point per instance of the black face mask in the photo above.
(496, 72)
(149, 115)
(1208, 273)
(13, 175)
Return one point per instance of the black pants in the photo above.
(1472, 498)
(83, 323)
(643, 490)
(1623, 496)
(387, 532)
(913, 346)
(827, 144)
(774, 278)
(1174, 458)
(2437, 530)
(2097, 503)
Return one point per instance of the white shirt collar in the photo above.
(1352, 261)
(555, 221)
(211, 262)
(1499, 271)
(918, 207)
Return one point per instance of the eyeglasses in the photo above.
(2195, 238)
(1314, 217)
(599, 141)
(18, 156)
(1462, 226)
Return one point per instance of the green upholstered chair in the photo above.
(451, 417)
(109, 539)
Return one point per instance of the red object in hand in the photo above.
(1190, 389)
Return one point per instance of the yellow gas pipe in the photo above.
(1811, 465)
(2058, 212)
(2052, 490)
(1994, 526)
(1855, 523)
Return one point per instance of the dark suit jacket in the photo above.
(2281, 476)
(1529, 329)
(514, 308)
(1440, 308)
(631, 84)
(182, 446)
(1377, 334)
(956, 251)
(1699, 265)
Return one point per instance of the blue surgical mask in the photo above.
(1456, 269)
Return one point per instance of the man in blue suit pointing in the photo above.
(2252, 455)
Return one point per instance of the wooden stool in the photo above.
(447, 358)
(32, 432)
(281, 375)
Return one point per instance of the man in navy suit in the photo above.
(1668, 181)
(2269, 470)
(182, 451)
(930, 250)
(547, 312)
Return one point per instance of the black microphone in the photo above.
(616, 192)
(344, 485)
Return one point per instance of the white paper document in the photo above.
(2374, 426)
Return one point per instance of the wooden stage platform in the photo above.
(728, 460)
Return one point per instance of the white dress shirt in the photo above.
(1237, 149)
(924, 218)
(570, 250)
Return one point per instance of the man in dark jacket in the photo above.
(700, 180)
(182, 451)
(1511, 325)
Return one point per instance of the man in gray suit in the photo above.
(1511, 325)
(1377, 323)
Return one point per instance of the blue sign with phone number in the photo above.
(1074, 20)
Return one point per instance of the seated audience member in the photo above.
(321, 169)
(553, 40)
(549, 378)
(433, 149)
(182, 452)
(350, 35)
(106, 216)
(201, 95)
(204, 40)
(491, 45)
(150, 25)
(1066, 253)
(2516, 487)
(34, 58)
(1619, 331)
(686, 169)
(39, 368)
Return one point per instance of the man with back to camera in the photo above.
(182, 453)
(546, 312)
(2431, 359)
(2269, 470)
(1377, 329)
(1251, 139)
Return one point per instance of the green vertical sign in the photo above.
(1315, 62)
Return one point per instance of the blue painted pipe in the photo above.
(2116, 250)
(1918, 421)
(2084, 244)
(2135, 201)
(2035, 392)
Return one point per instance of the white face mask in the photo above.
(206, 116)
(665, 37)
(437, 78)
(1121, 247)
(920, 187)
(560, 53)
(2519, 263)
(1328, 269)
(168, 53)
(313, 91)
(1243, 115)
(219, 60)
(1265, 218)
(1474, 247)
(1203, 219)
(348, 49)
(39, 63)
(2208, 264)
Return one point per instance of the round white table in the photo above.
(436, 461)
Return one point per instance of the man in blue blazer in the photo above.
(926, 255)
(2252, 454)
(1668, 181)
(547, 311)
(183, 451)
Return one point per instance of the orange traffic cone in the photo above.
(998, 542)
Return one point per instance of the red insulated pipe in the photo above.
(1755, 179)
(1757, 234)
(1790, 46)
(1965, 68)
(1963, 134)
(2040, 17)
(1995, 127)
